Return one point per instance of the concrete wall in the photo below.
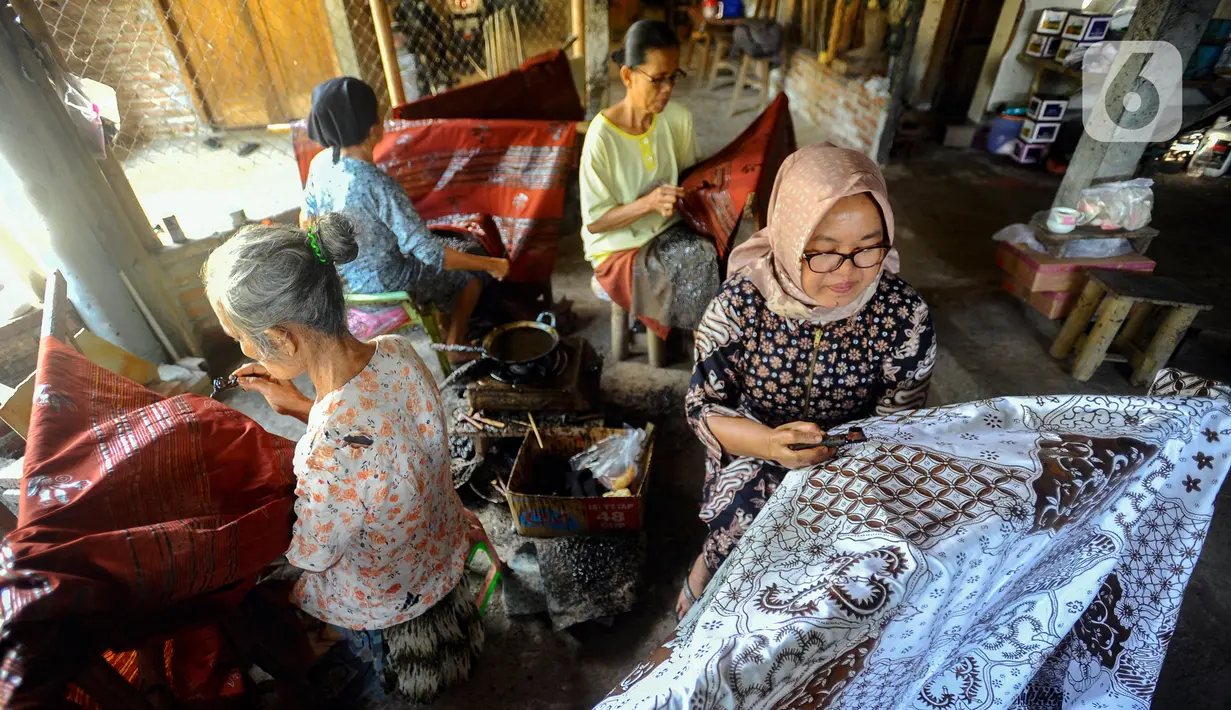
(122, 43)
(850, 112)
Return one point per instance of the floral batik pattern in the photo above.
(1006, 554)
(754, 363)
(379, 528)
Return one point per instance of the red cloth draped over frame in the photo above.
(717, 189)
(141, 517)
(542, 89)
(492, 159)
(503, 181)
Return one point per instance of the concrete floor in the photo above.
(947, 206)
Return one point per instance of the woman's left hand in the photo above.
(498, 268)
(283, 396)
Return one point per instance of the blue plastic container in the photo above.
(731, 9)
(1001, 133)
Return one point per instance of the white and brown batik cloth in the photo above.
(1024, 553)
(752, 362)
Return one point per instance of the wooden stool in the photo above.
(621, 335)
(1130, 297)
(621, 332)
(698, 40)
(722, 57)
(745, 78)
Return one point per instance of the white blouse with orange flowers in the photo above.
(380, 532)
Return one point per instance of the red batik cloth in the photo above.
(503, 180)
(141, 517)
(717, 189)
(542, 89)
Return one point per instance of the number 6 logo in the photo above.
(1144, 79)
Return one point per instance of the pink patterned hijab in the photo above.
(809, 183)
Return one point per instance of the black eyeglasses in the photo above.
(658, 82)
(829, 261)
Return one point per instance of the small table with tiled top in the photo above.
(1128, 299)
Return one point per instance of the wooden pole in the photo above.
(899, 78)
(577, 9)
(598, 59)
(55, 309)
(388, 52)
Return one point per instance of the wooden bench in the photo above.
(1128, 299)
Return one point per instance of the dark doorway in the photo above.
(973, 28)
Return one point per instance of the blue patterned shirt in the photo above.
(395, 246)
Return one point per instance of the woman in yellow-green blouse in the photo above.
(643, 256)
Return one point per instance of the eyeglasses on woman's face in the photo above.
(824, 262)
(664, 80)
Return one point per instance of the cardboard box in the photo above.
(1039, 131)
(1051, 21)
(1053, 304)
(1028, 153)
(1086, 27)
(1044, 107)
(1037, 271)
(557, 516)
(1069, 46)
(1044, 46)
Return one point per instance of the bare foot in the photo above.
(698, 577)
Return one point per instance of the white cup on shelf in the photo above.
(1062, 220)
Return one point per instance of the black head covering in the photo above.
(343, 113)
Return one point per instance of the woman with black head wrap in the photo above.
(397, 252)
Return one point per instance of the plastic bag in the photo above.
(1117, 205)
(1020, 235)
(614, 460)
(1095, 248)
(87, 118)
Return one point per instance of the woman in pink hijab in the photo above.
(812, 330)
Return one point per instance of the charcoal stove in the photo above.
(528, 373)
(566, 381)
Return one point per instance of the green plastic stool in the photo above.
(493, 577)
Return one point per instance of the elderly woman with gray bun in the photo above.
(380, 534)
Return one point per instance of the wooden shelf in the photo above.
(1056, 244)
(1050, 65)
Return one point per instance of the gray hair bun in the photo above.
(337, 238)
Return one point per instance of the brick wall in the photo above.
(848, 110)
(122, 43)
(181, 265)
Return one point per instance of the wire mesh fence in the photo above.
(203, 88)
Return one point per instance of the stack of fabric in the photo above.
(142, 520)
(1014, 553)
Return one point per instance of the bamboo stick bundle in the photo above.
(488, 60)
(521, 54)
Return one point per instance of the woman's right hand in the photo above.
(780, 440)
(662, 200)
(283, 396)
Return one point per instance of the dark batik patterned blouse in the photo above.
(753, 362)
(779, 370)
